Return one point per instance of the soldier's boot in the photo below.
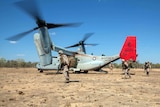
(67, 81)
(58, 72)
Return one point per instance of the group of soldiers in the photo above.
(126, 65)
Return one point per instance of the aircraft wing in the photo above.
(114, 58)
(65, 51)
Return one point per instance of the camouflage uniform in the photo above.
(64, 65)
(111, 67)
(147, 67)
(125, 68)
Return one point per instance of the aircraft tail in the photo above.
(128, 51)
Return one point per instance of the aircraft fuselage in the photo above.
(84, 62)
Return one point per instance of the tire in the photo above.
(41, 71)
(77, 72)
(86, 71)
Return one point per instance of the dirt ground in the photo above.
(26, 87)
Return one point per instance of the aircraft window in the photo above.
(94, 58)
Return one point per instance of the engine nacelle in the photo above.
(44, 51)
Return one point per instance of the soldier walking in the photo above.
(125, 68)
(147, 67)
(64, 62)
(111, 67)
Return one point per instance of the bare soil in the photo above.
(26, 87)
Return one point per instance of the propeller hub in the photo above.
(41, 23)
(81, 42)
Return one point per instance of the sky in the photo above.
(111, 21)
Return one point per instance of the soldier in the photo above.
(130, 64)
(147, 67)
(64, 62)
(111, 67)
(125, 68)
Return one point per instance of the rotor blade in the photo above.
(91, 44)
(19, 36)
(30, 7)
(75, 45)
(87, 36)
(52, 25)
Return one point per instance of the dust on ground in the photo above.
(26, 87)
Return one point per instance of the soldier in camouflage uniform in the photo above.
(125, 68)
(64, 65)
(111, 67)
(147, 67)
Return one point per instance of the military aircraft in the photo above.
(85, 62)
(79, 61)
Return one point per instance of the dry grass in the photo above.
(28, 88)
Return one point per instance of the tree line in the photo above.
(21, 63)
(18, 63)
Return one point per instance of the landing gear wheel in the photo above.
(77, 72)
(86, 71)
(41, 71)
